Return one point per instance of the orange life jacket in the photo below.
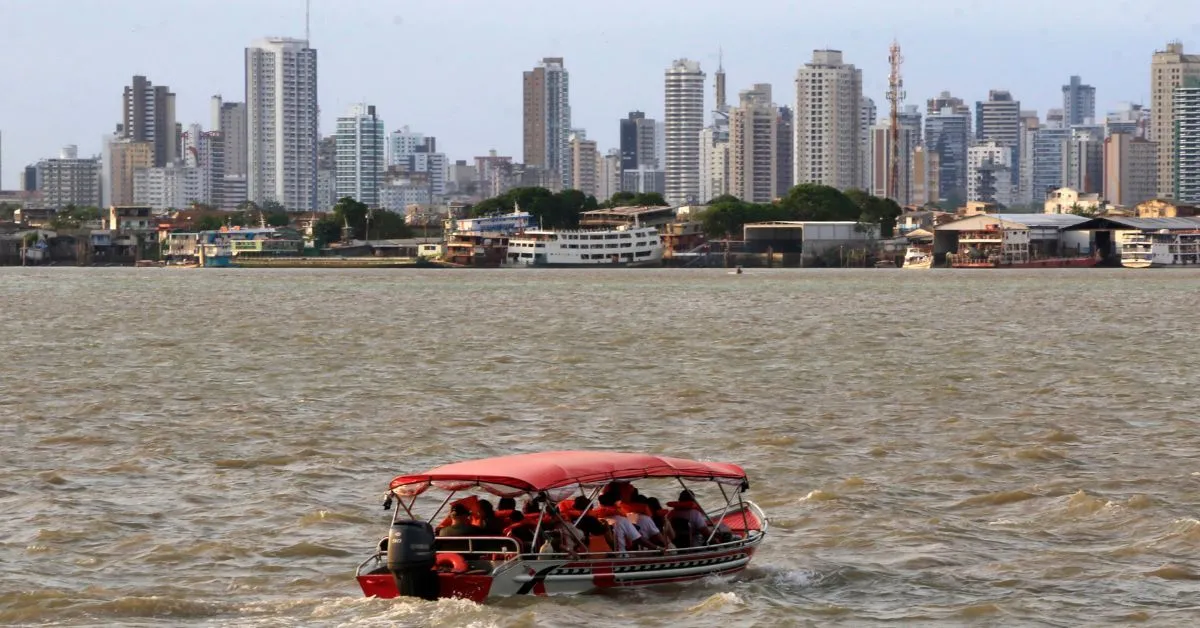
(641, 509)
(528, 522)
(597, 544)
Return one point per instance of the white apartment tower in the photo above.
(360, 154)
(752, 146)
(684, 119)
(714, 162)
(867, 115)
(828, 141)
(1168, 70)
(989, 173)
(585, 164)
(281, 122)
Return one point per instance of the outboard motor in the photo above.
(411, 558)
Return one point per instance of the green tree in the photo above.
(208, 222)
(350, 212)
(271, 207)
(326, 231)
(810, 201)
(387, 225)
(7, 210)
(278, 219)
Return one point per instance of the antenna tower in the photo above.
(895, 96)
(307, 13)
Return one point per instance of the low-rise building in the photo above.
(1160, 208)
(618, 216)
(131, 218)
(34, 216)
(1070, 201)
(810, 238)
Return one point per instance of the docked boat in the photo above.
(413, 562)
(1000, 246)
(1160, 249)
(625, 245)
(917, 257)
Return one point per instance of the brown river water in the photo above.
(210, 447)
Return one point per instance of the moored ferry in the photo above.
(534, 555)
(625, 245)
(1160, 249)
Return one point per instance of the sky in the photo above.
(452, 68)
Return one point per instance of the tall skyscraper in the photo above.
(1129, 173)
(785, 170)
(753, 146)
(282, 123)
(360, 154)
(205, 151)
(989, 173)
(1051, 152)
(585, 164)
(828, 142)
(947, 135)
(684, 119)
(1187, 141)
(125, 158)
(405, 142)
(999, 120)
(1079, 101)
(547, 120)
(879, 163)
(149, 116)
(1168, 70)
(1085, 159)
(638, 142)
(944, 100)
(714, 162)
(230, 119)
(1025, 190)
(868, 113)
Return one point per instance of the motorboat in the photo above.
(412, 561)
(917, 257)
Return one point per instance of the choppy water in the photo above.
(209, 447)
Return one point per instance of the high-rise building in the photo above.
(282, 123)
(1129, 173)
(547, 120)
(126, 157)
(173, 186)
(405, 142)
(881, 159)
(644, 181)
(1051, 152)
(989, 177)
(999, 120)
(868, 113)
(924, 176)
(753, 146)
(1025, 190)
(638, 142)
(682, 123)
(1187, 141)
(942, 101)
(785, 170)
(1085, 159)
(230, 119)
(1168, 70)
(609, 182)
(29, 179)
(714, 162)
(205, 151)
(585, 164)
(149, 116)
(1079, 102)
(1129, 119)
(828, 142)
(947, 135)
(69, 180)
(360, 154)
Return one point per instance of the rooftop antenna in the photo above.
(307, 7)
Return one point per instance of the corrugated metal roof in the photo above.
(1143, 224)
(1045, 220)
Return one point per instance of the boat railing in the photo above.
(752, 537)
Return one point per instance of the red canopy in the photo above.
(523, 473)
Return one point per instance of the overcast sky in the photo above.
(452, 68)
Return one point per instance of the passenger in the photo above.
(517, 529)
(690, 525)
(640, 515)
(659, 514)
(491, 524)
(598, 536)
(460, 517)
(625, 534)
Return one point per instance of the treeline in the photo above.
(363, 223)
(726, 215)
(558, 210)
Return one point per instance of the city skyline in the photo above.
(72, 97)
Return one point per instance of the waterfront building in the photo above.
(547, 120)
(360, 154)
(684, 119)
(1079, 102)
(282, 122)
(828, 122)
(69, 180)
(149, 116)
(753, 146)
(1169, 69)
(1187, 141)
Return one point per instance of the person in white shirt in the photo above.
(626, 533)
(639, 514)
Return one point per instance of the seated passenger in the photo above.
(460, 523)
(518, 529)
(597, 536)
(488, 520)
(688, 520)
(625, 535)
(639, 514)
(505, 507)
(659, 515)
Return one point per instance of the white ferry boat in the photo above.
(619, 246)
(917, 257)
(1162, 248)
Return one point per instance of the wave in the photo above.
(306, 550)
(996, 499)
